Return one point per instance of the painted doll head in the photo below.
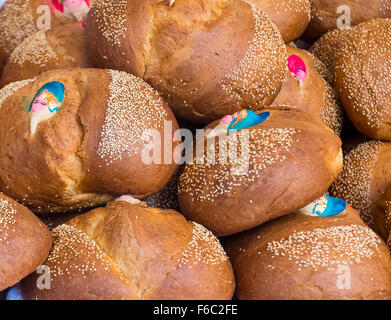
(237, 121)
(325, 206)
(46, 103)
(72, 5)
(74, 9)
(297, 68)
(129, 199)
(246, 119)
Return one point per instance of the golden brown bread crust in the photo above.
(383, 216)
(59, 48)
(294, 158)
(363, 78)
(90, 150)
(25, 242)
(316, 96)
(138, 253)
(298, 257)
(324, 15)
(18, 20)
(290, 16)
(327, 46)
(365, 176)
(207, 58)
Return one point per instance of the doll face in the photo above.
(228, 119)
(44, 101)
(73, 5)
(39, 104)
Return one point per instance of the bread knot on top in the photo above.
(125, 251)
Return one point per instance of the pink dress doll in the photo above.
(297, 69)
(73, 9)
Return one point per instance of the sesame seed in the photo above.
(111, 19)
(70, 242)
(263, 66)
(267, 147)
(7, 219)
(353, 183)
(16, 23)
(34, 49)
(327, 247)
(11, 88)
(203, 248)
(132, 108)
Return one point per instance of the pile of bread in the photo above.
(301, 87)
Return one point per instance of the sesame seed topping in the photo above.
(255, 65)
(331, 112)
(353, 184)
(16, 23)
(70, 242)
(7, 220)
(34, 49)
(204, 248)
(111, 19)
(363, 71)
(207, 181)
(289, 6)
(327, 247)
(325, 48)
(132, 108)
(11, 88)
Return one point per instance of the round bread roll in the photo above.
(332, 14)
(327, 46)
(58, 48)
(365, 176)
(80, 136)
(304, 257)
(289, 159)
(22, 18)
(383, 216)
(290, 16)
(125, 251)
(25, 242)
(207, 58)
(363, 78)
(305, 89)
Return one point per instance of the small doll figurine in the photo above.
(325, 206)
(129, 199)
(246, 119)
(222, 127)
(237, 121)
(74, 9)
(46, 103)
(297, 69)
